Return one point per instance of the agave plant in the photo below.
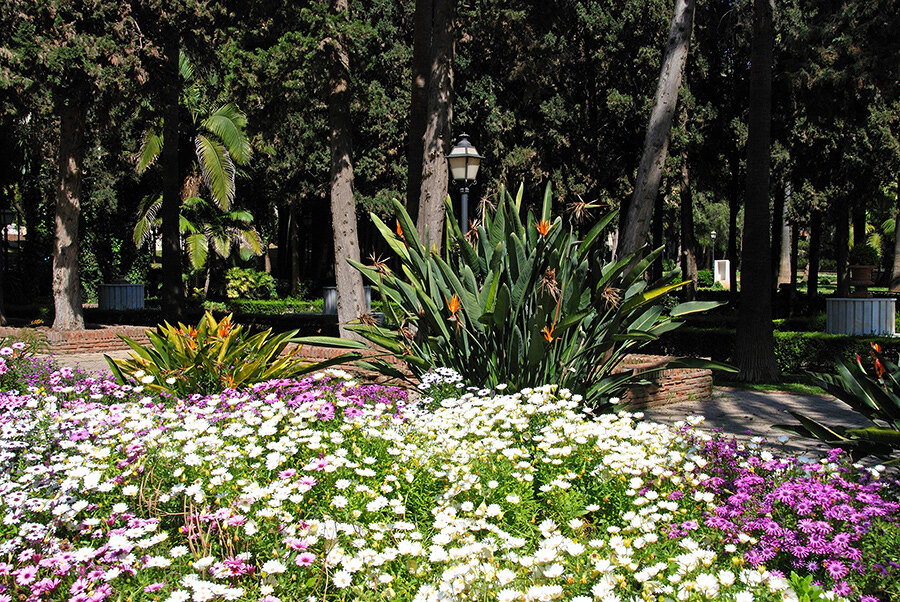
(876, 397)
(213, 356)
(525, 303)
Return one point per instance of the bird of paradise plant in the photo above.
(528, 299)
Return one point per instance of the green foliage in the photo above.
(265, 306)
(526, 303)
(863, 254)
(244, 283)
(805, 589)
(214, 355)
(875, 396)
(705, 278)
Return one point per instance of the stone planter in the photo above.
(861, 279)
(858, 316)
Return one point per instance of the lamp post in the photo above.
(713, 236)
(464, 162)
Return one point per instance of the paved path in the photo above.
(738, 412)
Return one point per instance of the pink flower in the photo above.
(25, 575)
(305, 559)
(154, 587)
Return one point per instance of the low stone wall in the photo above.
(95, 339)
(667, 386)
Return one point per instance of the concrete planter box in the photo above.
(860, 316)
(331, 300)
(120, 296)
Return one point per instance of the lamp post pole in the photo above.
(464, 208)
(713, 235)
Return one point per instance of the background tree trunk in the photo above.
(784, 247)
(656, 143)
(841, 249)
(734, 206)
(688, 242)
(172, 294)
(754, 351)
(351, 300)
(437, 129)
(815, 245)
(421, 74)
(66, 282)
(895, 271)
(858, 214)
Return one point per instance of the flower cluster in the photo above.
(325, 488)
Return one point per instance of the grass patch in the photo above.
(799, 384)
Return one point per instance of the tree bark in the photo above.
(172, 294)
(421, 74)
(755, 343)
(815, 245)
(66, 281)
(734, 205)
(656, 142)
(688, 241)
(841, 249)
(294, 246)
(784, 234)
(895, 271)
(433, 190)
(858, 214)
(351, 302)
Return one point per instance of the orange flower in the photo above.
(224, 327)
(548, 333)
(400, 232)
(453, 305)
(543, 226)
(879, 367)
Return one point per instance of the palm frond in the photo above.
(151, 148)
(143, 229)
(217, 169)
(198, 249)
(228, 124)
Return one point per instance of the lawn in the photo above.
(325, 488)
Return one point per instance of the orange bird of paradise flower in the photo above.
(453, 305)
(400, 232)
(547, 331)
(543, 227)
(879, 367)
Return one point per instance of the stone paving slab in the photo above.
(738, 412)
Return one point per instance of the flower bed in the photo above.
(324, 488)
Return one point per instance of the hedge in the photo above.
(795, 351)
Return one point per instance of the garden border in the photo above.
(667, 386)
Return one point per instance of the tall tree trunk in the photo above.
(294, 247)
(66, 282)
(795, 255)
(754, 350)
(656, 142)
(841, 248)
(688, 241)
(784, 246)
(777, 216)
(734, 206)
(815, 246)
(172, 294)
(437, 129)
(421, 74)
(859, 224)
(351, 302)
(895, 271)
(656, 270)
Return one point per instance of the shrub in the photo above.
(862, 254)
(215, 355)
(523, 304)
(244, 283)
(705, 278)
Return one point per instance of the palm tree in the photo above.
(204, 225)
(220, 144)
